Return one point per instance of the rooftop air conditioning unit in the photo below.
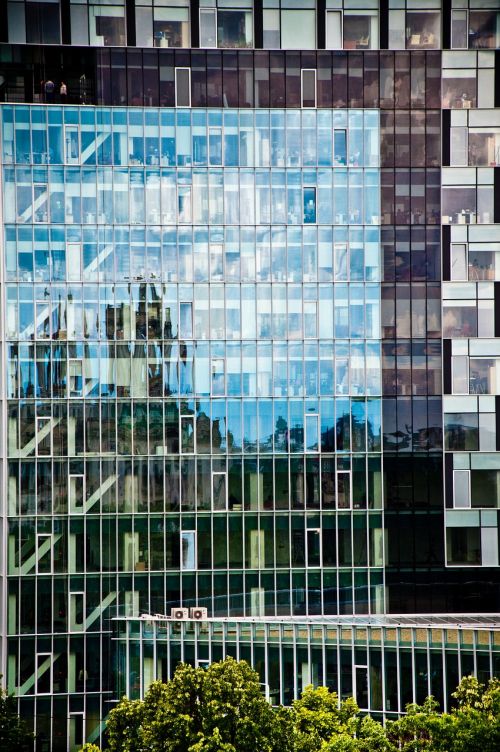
(179, 614)
(198, 613)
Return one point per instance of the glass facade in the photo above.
(250, 310)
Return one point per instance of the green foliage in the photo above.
(222, 709)
(90, 748)
(15, 735)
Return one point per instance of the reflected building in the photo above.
(249, 308)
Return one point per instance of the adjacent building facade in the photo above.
(250, 315)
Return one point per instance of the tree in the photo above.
(15, 735)
(220, 709)
(322, 724)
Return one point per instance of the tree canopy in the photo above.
(15, 735)
(222, 709)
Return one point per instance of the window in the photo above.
(107, 26)
(460, 371)
(171, 27)
(182, 87)
(44, 437)
(484, 29)
(313, 543)
(218, 377)
(458, 147)
(39, 208)
(188, 550)
(208, 28)
(234, 28)
(459, 319)
(360, 31)
(76, 731)
(333, 30)
(76, 492)
(461, 432)
(72, 144)
(219, 491)
(485, 489)
(74, 262)
(271, 29)
(483, 376)
(298, 29)
(185, 320)
(43, 23)
(184, 203)
(309, 205)
(339, 146)
(459, 35)
(308, 88)
(43, 676)
(76, 612)
(463, 545)
(75, 380)
(312, 433)
(44, 553)
(344, 496)
(461, 489)
(361, 686)
(187, 434)
(458, 262)
(423, 30)
(226, 27)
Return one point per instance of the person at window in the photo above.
(63, 92)
(49, 91)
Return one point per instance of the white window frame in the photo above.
(73, 509)
(43, 419)
(68, 129)
(77, 743)
(71, 363)
(355, 682)
(348, 473)
(193, 419)
(195, 556)
(316, 530)
(225, 507)
(315, 74)
(318, 433)
(183, 68)
(72, 626)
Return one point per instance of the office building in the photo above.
(250, 328)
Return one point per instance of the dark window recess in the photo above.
(496, 189)
(182, 87)
(446, 137)
(321, 24)
(446, 21)
(447, 366)
(497, 309)
(130, 16)
(65, 21)
(43, 23)
(497, 421)
(497, 78)
(258, 24)
(446, 252)
(384, 24)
